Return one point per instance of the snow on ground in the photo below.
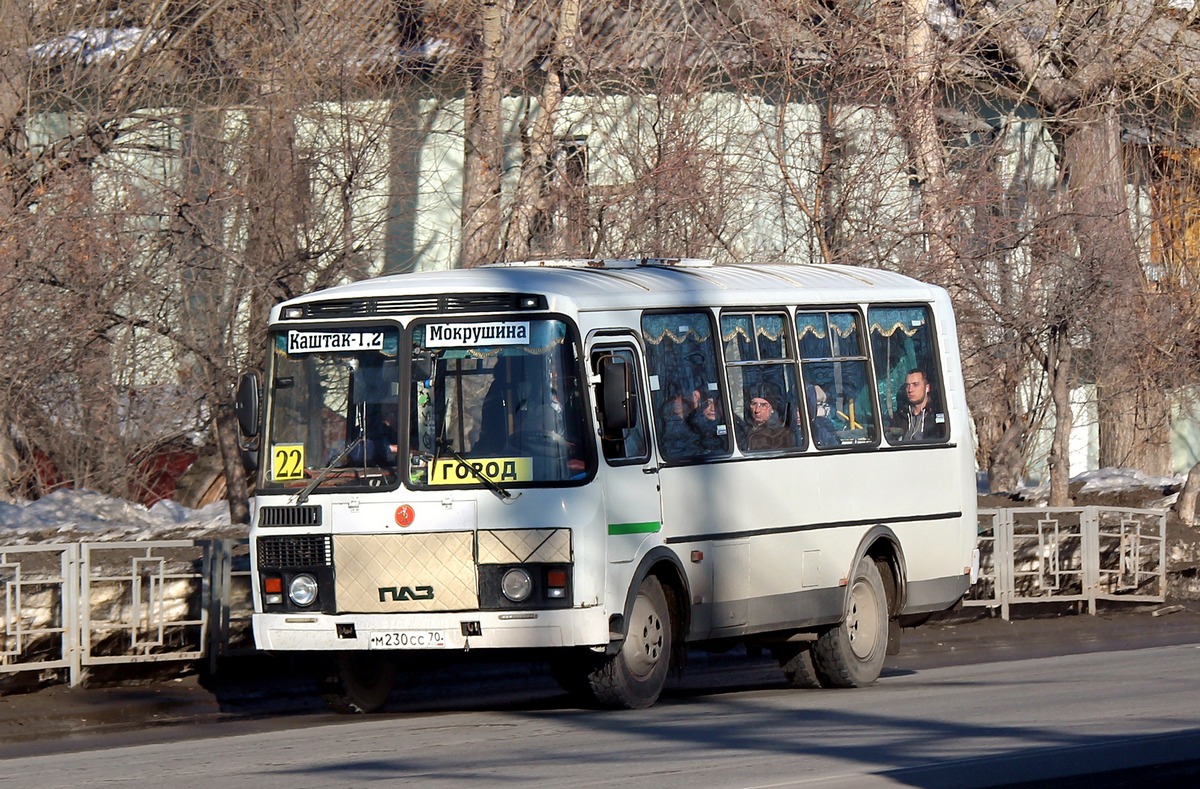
(86, 516)
(1114, 480)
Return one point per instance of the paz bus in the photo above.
(608, 463)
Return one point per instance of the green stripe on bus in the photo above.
(649, 527)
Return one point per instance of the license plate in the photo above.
(407, 639)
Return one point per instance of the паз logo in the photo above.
(401, 593)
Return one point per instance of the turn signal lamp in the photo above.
(273, 590)
(556, 583)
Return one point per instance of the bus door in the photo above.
(629, 479)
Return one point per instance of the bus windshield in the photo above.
(333, 408)
(497, 401)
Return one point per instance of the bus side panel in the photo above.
(779, 535)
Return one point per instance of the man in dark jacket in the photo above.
(920, 418)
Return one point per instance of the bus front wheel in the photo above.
(359, 682)
(851, 655)
(634, 677)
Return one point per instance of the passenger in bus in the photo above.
(677, 437)
(824, 431)
(919, 417)
(767, 430)
(706, 422)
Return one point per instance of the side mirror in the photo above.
(246, 404)
(618, 402)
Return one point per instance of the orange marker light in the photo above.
(273, 585)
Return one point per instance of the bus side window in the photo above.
(688, 407)
(833, 360)
(908, 375)
(761, 368)
(630, 446)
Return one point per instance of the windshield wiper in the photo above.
(443, 445)
(303, 495)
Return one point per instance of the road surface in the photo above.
(974, 724)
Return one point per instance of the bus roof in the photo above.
(586, 284)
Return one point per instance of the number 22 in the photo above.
(288, 461)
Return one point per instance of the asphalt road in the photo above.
(982, 724)
(954, 708)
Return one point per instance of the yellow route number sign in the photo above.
(287, 462)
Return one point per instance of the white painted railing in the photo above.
(76, 606)
(1084, 554)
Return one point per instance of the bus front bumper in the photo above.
(439, 631)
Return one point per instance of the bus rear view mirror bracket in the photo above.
(617, 399)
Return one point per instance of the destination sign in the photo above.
(469, 335)
(449, 471)
(325, 341)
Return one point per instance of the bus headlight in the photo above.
(302, 591)
(516, 585)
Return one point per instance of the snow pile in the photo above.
(86, 516)
(1113, 480)
(95, 44)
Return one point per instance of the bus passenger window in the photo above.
(833, 359)
(761, 367)
(908, 375)
(685, 395)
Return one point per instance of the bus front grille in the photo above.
(306, 515)
(300, 550)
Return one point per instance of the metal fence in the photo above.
(1070, 554)
(78, 606)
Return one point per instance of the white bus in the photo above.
(609, 462)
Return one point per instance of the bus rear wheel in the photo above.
(796, 660)
(359, 682)
(851, 655)
(634, 677)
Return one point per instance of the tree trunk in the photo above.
(1185, 505)
(484, 144)
(1059, 461)
(237, 492)
(529, 197)
(14, 64)
(1133, 411)
(918, 125)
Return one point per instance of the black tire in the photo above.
(359, 682)
(635, 676)
(851, 655)
(888, 575)
(796, 660)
